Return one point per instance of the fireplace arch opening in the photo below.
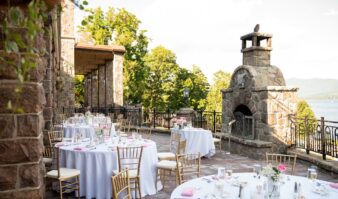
(244, 125)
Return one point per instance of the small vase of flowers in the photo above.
(274, 175)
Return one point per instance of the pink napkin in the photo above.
(334, 185)
(188, 192)
(78, 149)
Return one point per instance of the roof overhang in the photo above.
(89, 57)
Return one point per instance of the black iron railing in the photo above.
(139, 116)
(320, 136)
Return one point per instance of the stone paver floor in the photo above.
(209, 166)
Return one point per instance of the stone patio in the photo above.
(209, 167)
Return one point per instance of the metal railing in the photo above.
(320, 136)
(139, 116)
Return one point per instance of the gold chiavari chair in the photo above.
(188, 167)
(175, 148)
(55, 137)
(276, 159)
(47, 157)
(69, 179)
(130, 157)
(145, 132)
(166, 167)
(121, 184)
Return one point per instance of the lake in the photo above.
(325, 108)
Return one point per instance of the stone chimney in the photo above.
(256, 55)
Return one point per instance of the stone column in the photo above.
(102, 85)
(67, 68)
(21, 138)
(118, 79)
(109, 83)
(88, 93)
(95, 94)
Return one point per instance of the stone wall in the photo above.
(65, 82)
(21, 133)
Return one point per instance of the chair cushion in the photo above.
(166, 155)
(166, 164)
(132, 173)
(64, 173)
(47, 160)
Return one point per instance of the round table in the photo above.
(96, 166)
(205, 187)
(198, 140)
(86, 131)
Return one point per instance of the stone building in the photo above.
(49, 87)
(258, 100)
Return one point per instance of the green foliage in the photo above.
(29, 24)
(79, 90)
(162, 71)
(122, 28)
(197, 84)
(214, 97)
(305, 117)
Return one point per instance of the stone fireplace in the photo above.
(258, 100)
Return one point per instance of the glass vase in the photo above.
(274, 188)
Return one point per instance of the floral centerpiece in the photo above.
(274, 172)
(179, 121)
(274, 175)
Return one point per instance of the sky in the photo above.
(207, 33)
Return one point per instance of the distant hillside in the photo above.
(315, 88)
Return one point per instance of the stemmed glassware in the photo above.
(257, 168)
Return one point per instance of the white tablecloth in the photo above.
(87, 131)
(96, 167)
(198, 140)
(206, 188)
(70, 130)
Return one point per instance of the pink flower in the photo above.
(281, 167)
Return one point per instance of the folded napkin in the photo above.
(78, 149)
(334, 185)
(188, 192)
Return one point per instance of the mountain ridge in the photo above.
(315, 88)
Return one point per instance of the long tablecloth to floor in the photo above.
(198, 140)
(97, 166)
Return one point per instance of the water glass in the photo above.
(312, 173)
(229, 170)
(221, 173)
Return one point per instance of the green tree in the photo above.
(304, 112)
(161, 76)
(197, 84)
(122, 28)
(79, 90)
(214, 98)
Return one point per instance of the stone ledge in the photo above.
(250, 143)
(275, 88)
(331, 164)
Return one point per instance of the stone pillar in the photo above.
(95, 93)
(88, 93)
(102, 85)
(67, 69)
(21, 138)
(109, 83)
(118, 79)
